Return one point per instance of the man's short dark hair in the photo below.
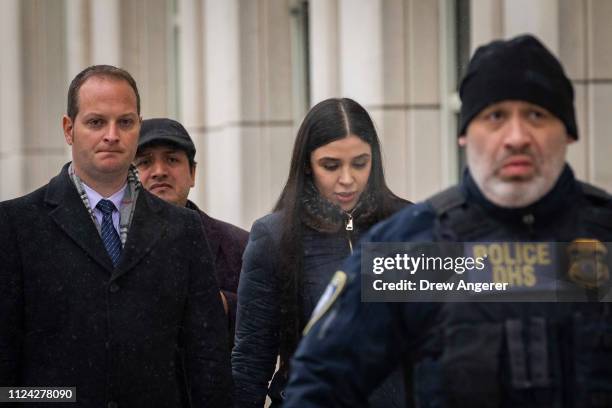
(105, 71)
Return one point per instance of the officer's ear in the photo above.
(462, 141)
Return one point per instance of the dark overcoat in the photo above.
(68, 318)
(227, 243)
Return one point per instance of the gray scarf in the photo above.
(128, 202)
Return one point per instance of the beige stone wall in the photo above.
(386, 55)
(232, 72)
(586, 49)
(11, 103)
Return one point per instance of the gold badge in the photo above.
(587, 263)
(329, 296)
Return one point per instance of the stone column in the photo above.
(191, 87)
(144, 50)
(11, 102)
(389, 62)
(324, 51)
(267, 123)
(598, 83)
(486, 22)
(44, 89)
(573, 51)
(248, 123)
(361, 50)
(426, 143)
(537, 17)
(78, 50)
(105, 32)
(222, 163)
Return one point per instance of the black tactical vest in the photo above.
(518, 354)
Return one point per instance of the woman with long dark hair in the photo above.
(335, 191)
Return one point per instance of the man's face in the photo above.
(104, 134)
(515, 152)
(165, 172)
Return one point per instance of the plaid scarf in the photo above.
(128, 202)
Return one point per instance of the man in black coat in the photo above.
(166, 165)
(103, 282)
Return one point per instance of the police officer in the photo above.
(517, 119)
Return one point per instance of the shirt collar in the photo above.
(94, 197)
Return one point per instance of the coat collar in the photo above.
(213, 235)
(70, 214)
(147, 228)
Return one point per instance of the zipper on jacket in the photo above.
(349, 222)
(349, 228)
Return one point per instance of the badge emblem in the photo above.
(587, 263)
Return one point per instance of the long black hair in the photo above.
(328, 121)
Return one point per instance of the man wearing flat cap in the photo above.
(166, 166)
(518, 203)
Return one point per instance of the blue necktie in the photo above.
(109, 235)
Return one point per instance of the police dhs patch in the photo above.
(329, 296)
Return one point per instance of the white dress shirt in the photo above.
(94, 197)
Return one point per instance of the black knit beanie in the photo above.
(517, 69)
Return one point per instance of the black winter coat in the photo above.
(68, 318)
(258, 328)
(227, 243)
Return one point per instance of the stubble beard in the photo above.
(516, 192)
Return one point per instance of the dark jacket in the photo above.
(227, 243)
(510, 354)
(70, 319)
(258, 322)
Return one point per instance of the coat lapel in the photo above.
(212, 235)
(210, 230)
(70, 214)
(147, 227)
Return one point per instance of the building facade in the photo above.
(240, 75)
